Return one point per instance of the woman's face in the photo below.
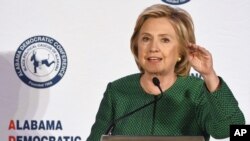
(157, 46)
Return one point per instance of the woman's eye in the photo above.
(145, 39)
(165, 40)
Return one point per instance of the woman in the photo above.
(163, 44)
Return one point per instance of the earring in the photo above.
(179, 59)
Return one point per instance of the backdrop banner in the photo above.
(57, 57)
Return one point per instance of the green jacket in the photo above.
(187, 108)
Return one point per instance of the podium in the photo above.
(151, 138)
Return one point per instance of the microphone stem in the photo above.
(154, 114)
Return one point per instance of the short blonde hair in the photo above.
(183, 26)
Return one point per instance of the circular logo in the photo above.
(40, 62)
(175, 2)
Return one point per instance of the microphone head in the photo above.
(156, 81)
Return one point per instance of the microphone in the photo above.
(156, 82)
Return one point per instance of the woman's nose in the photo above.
(154, 47)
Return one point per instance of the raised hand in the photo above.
(201, 60)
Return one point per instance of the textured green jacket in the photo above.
(186, 108)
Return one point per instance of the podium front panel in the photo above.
(152, 138)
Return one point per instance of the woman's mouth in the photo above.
(154, 59)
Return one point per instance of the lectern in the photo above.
(152, 138)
